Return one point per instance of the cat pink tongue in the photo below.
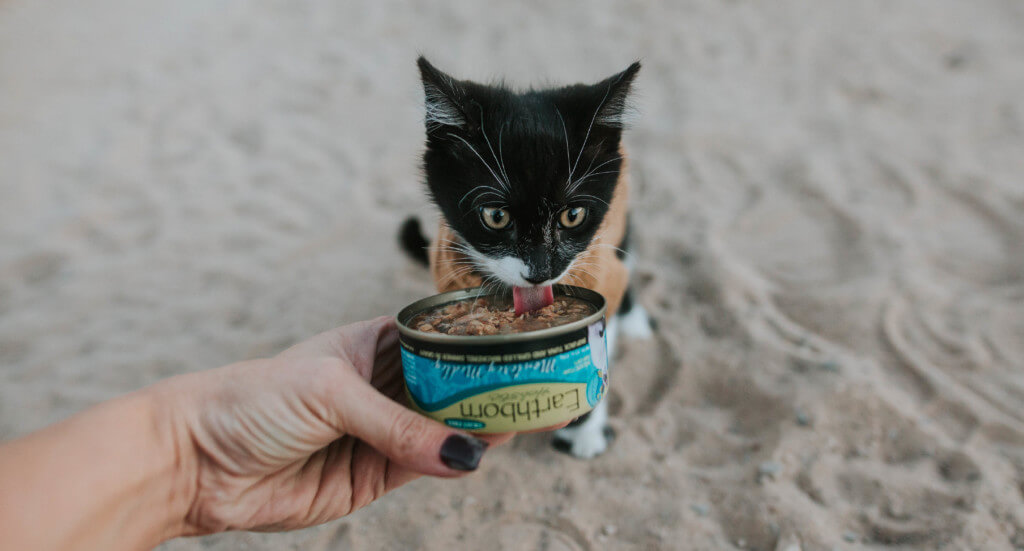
(528, 299)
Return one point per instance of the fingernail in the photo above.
(461, 452)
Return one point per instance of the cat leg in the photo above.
(588, 436)
(634, 322)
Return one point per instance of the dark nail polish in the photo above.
(462, 452)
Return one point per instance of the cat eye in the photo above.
(572, 217)
(495, 218)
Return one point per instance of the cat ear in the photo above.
(443, 98)
(615, 92)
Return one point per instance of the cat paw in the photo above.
(584, 444)
(636, 324)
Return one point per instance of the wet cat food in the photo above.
(471, 363)
(492, 316)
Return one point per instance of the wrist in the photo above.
(112, 477)
(176, 453)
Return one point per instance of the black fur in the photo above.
(412, 240)
(624, 246)
(579, 420)
(490, 146)
(565, 446)
(627, 302)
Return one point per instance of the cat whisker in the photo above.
(570, 292)
(611, 159)
(593, 197)
(489, 285)
(580, 271)
(587, 273)
(470, 212)
(455, 243)
(591, 127)
(572, 265)
(589, 175)
(455, 274)
(458, 247)
(613, 247)
(576, 183)
(483, 289)
(597, 238)
(578, 262)
(464, 264)
(568, 162)
(479, 199)
(572, 185)
(462, 261)
(589, 264)
(468, 259)
(486, 165)
(494, 191)
(451, 277)
(501, 154)
(592, 159)
(578, 281)
(583, 179)
(492, 284)
(501, 168)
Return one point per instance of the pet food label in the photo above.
(510, 392)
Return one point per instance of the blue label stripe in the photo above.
(459, 396)
(436, 384)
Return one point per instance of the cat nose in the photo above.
(535, 280)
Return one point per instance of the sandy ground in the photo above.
(831, 237)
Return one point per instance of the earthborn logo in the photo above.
(514, 407)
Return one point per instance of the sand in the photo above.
(831, 239)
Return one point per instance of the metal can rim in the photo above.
(572, 291)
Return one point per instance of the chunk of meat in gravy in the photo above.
(481, 317)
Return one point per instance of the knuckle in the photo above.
(408, 432)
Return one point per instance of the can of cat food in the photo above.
(505, 382)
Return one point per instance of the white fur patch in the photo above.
(636, 324)
(508, 269)
(440, 111)
(588, 440)
(630, 262)
(611, 336)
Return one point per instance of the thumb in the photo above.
(404, 436)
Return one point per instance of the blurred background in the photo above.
(830, 233)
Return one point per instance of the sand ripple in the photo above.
(830, 232)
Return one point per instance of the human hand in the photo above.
(308, 436)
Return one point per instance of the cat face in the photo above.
(524, 178)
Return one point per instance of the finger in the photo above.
(387, 367)
(404, 436)
(364, 343)
(494, 440)
(351, 342)
(398, 475)
(387, 334)
(548, 429)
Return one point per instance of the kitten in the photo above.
(532, 189)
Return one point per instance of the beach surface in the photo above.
(829, 221)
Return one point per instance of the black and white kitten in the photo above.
(524, 180)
